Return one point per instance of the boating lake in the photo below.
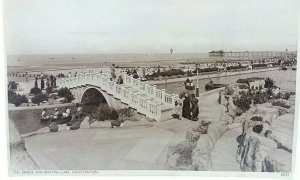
(283, 79)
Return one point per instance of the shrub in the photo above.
(12, 85)
(37, 99)
(114, 114)
(125, 112)
(243, 101)
(66, 93)
(21, 99)
(12, 96)
(248, 80)
(206, 70)
(244, 81)
(256, 118)
(229, 90)
(49, 90)
(35, 90)
(16, 99)
(258, 128)
(172, 72)
(269, 83)
(243, 86)
(103, 113)
(236, 67)
(259, 65)
(260, 97)
(281, 104)
(189, 74)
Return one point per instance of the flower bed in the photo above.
(248, 80)
(259, 66)
(213, 69)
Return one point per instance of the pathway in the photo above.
(140, 147)
(223, 156)
(283, 129)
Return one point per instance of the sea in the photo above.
(37, 62)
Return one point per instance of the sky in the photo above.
(149, 26)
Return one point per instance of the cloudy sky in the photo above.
(148, 26)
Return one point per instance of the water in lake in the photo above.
(283, 79)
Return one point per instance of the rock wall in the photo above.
(194, 153)
(257, 151)
(202, 153)
(254, 154)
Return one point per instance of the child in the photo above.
(176, 111)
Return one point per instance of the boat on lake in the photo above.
(189, 85)
(210, 86)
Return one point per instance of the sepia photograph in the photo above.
(157, 85)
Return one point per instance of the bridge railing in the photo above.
(145, 98)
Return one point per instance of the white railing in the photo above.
(145, 98)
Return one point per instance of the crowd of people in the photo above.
(65, 116)
(45, 81)
(189, 109)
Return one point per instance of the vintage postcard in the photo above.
(151, 87)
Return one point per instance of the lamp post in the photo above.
(197, 88)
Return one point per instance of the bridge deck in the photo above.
(146, 99)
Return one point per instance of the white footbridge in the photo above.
(146, 99)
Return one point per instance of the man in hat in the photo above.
(195, 110)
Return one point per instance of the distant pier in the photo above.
(245, 54)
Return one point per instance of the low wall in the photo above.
(205, 146)
(19, 157)
(40, 107)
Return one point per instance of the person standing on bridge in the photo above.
(120, 80)
(51, 80)
(36, 82)
(42, 83)
(54, 81)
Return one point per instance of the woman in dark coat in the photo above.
(42, 84)
(186, 108)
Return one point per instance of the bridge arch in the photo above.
(95, 96)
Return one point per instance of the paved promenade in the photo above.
(124, 148)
